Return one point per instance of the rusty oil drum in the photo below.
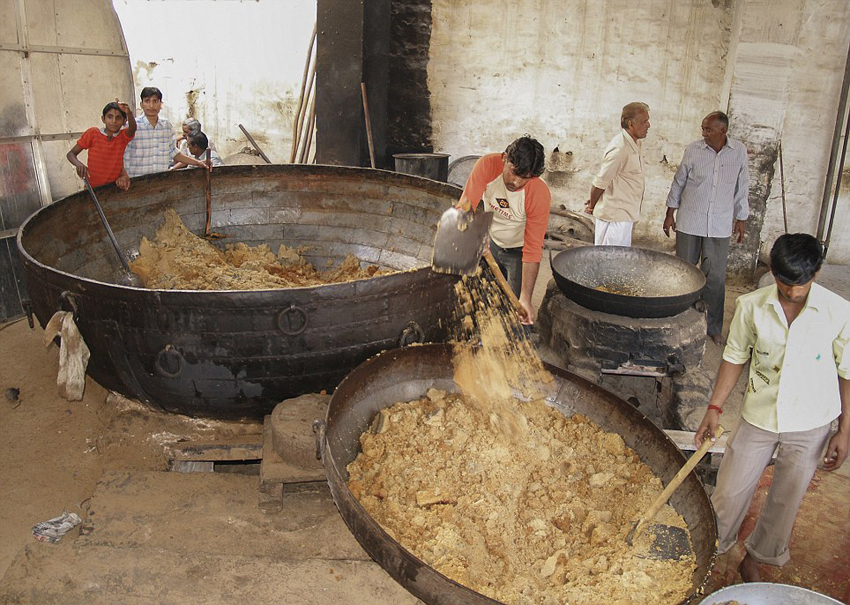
(235, 354)
(406, 374)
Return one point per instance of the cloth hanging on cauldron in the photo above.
(73, 354)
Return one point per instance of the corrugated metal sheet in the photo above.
(61, 61)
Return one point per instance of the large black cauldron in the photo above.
(406, 374)
(233, 354)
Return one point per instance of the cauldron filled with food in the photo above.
(235, 353)
(360, 409)
(628, 281)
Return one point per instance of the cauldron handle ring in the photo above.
(67, 297)
(174, 354)
(287, 326)
(412, 333)
(319, 428)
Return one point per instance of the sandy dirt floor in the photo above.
(150, 536)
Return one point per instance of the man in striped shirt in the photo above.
(154, 145)
(709, 199)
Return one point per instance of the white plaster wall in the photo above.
(241, 60)
(818, 57)
(561, 71)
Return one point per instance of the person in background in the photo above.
(198, 147)
(153, 148)
(190, 126)
(709, 199)
(794, 335)
(509, 186)
(106, 148)
(616, 194)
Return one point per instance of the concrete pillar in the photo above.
(765, 37)
(353, 46)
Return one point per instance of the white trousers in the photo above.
(613, 234)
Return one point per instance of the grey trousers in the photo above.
(748, 452)
(510, 263)
(710, 254)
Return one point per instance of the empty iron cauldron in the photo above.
(235, 354)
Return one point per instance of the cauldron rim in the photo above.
(389, 175)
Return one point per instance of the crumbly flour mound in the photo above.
(537, 520)
(506, 495)
(178, 259)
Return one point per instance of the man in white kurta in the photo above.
(616, 194)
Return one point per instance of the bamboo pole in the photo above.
(311, 124)
(299, 110)
(368, 124)
(303, 123)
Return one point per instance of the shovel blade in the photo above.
(460, 241)
(668, 542)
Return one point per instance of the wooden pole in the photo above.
(311, 124)
(299, 110)
(303, 122)
(368, 124)
(208, 193)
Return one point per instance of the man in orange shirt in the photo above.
(509, 186)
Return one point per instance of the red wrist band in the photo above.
(714, 407)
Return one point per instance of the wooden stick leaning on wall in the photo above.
(306, 121)
(368, 124)
(307, 137)
(303, 118)
(309, 72)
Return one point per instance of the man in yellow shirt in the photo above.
(794, 335)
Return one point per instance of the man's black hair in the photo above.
(151, 91)
(795, 258)
(526, 154)
(719, 116)
(113, 105)
(199, 139)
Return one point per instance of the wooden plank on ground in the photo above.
(246, 447)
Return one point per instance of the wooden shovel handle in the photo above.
(208, 195)
(677, 481)
(503, 283)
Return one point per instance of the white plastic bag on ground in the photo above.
(73, 354)
(54, 529)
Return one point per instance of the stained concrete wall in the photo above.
(562, 70)
(224, 62)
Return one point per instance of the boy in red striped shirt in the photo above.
(106, 148)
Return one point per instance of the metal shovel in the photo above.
(670, 542)
(460, 242)
(129, 278)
